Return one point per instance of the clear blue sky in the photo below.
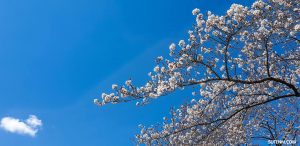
(56, 56)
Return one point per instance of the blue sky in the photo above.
(56, 56)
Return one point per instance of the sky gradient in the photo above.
(56, 56)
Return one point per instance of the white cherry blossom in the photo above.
(243, 68)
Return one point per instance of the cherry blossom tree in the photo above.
(244, 68)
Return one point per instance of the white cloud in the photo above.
(34, 121)
(28, 127)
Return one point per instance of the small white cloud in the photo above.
(14, 125)
(34, 121)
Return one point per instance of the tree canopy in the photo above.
(244, 67)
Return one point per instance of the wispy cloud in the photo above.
(28, 127)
